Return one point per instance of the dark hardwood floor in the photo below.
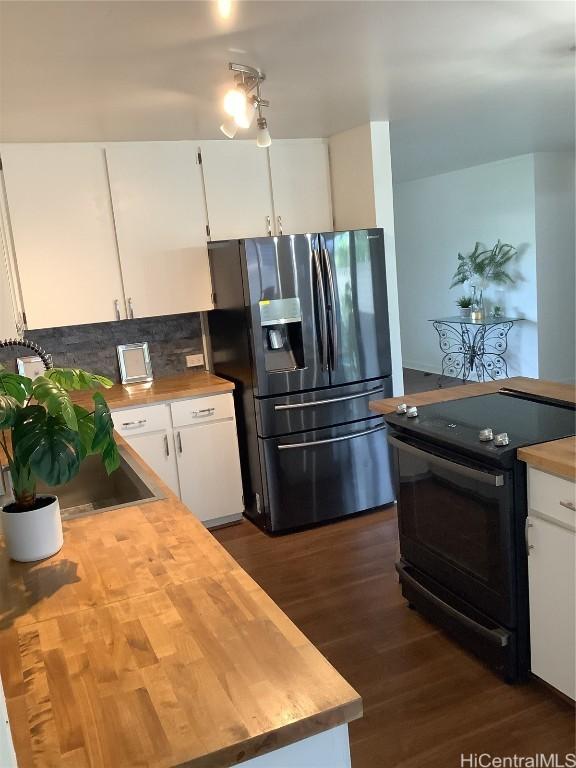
(422, 381)
(426, 700)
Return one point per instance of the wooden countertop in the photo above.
(143, 643)
(557, 456)
(166, 388)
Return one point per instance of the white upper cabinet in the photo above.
(237, 184)
(301, 186)
(62, 225)
(8, 307)
(160, 217)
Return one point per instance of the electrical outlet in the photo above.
(193, 361)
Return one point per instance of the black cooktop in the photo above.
(457, 423)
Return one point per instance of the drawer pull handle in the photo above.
(203, 412)
(568, 505)
(134, 423)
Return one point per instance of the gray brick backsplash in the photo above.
(93, 347)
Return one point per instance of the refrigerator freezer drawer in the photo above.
(318, 409)
(326, 473)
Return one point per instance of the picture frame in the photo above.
(31, 366)
(134, 362)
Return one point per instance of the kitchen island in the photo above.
(143, 643)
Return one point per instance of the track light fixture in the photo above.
(243, 101)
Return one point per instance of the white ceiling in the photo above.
(462, 82)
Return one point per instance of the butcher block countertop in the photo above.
(143, 643)
(167, 388)
(557, 457)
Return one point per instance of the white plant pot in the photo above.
(35, 534)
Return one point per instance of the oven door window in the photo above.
(455, 521)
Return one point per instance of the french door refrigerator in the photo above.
(300, 325)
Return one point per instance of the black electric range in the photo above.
(462, 511)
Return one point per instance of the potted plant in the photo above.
(482, 267)
(49, 438)
(465, 304)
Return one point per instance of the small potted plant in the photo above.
(45, 436)
(465, 304)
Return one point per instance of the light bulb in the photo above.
(235, 102)
(245, 119)
(225, 8)
(229, 128)
(263, 135)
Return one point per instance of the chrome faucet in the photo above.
(27, 344)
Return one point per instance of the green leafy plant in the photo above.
(464, 302)
(485, 266)
(51, 435)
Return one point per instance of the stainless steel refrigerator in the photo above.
(300, 325)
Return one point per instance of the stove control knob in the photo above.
(485, 435)
(501, 438)
(412, 412)
(401, 408)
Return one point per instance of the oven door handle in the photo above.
(496, 636)
(489, 478)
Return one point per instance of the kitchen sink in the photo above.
(93, 491)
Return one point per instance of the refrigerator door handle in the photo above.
(322, 309)
(333, 317)
(291, 406)
(312, 443)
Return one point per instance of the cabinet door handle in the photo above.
(568, 505)
(166, 446)
(134, 423)
(203, 412)
(529, 547)
(117, 309)
(179, 442)
(130, 309)
(269, 225)
(279, 225)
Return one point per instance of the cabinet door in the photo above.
(551, 567)
(157, 450)
(237, 184)
(63, 229)
(301, 186)
(209, 469)
(160, 218)
(7, 304)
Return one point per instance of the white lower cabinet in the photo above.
(551, 538)
(209, 469)
(192, 446)
(157, 450)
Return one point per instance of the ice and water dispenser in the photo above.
(281, 323)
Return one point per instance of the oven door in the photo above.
(456, 523)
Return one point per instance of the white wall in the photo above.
(556, 264)
(439, 216)
(362, 197)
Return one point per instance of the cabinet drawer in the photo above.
(135, 421)
(202, 409)
(554, 497)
